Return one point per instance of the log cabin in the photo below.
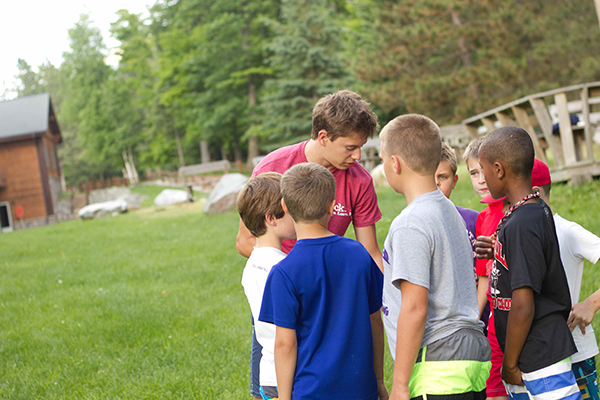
(30, 175)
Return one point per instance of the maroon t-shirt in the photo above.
(355, 198)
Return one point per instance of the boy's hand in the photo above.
(511, 375)
(582, 315)
(383, 393)
(484, 247)
(400, 393)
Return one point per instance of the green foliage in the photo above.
(306, 55)
(231, 71)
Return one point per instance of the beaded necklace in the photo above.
(518, 204)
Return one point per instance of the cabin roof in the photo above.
(27, 116)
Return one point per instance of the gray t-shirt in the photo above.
(427, 246)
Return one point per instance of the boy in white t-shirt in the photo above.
(259, 206)
(576, 244)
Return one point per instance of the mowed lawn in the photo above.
(148, 305)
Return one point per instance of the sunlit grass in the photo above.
(148, 305)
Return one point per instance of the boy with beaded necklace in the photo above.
(530, 295)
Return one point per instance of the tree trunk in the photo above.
(465, 54)
(127, 167)
(179, 149)
(204, 153)
(252, 140)
(136, 177)
(598, 9)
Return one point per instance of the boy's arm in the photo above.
(482, 287)
(520, 318)
(409, 336)
(367, 236)
(378, 349)
(286, 356)
(244, 242)
(583, 313)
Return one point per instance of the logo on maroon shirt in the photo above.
(341, 211)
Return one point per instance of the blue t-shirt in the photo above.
(326, 289)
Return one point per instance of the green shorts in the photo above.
(457, 364)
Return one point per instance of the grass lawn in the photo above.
(148, 305)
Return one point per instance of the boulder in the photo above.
(169, 197)
(223, 197)
(378, 175)
(99, 210)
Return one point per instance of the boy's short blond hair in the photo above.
(472, 150)
(260, 197)
(449, 155)
(308, 190)
(415, 138)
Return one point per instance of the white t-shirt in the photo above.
(577, 244)
(255, 275)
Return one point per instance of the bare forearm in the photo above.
(520, 318)
(411, 327)
(482, 287)
(286, 356)
(367, 236)
(378, 344)
(244, 242)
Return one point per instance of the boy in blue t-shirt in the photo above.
(324, 299)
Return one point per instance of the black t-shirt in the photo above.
(527, 255)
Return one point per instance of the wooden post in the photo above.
(489, 124)
(598, 10)
(543, 117)
(566, 133)
(504, 119)
(472, 131)
(587, 129)
(204, 153)
(523, 121)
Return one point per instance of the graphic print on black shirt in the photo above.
(527, 255)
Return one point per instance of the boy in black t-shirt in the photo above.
(530, 294)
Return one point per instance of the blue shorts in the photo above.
(255, 356)
(555, 382)
(586, 376)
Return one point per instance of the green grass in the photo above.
(148, 305)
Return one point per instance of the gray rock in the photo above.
(99, 210)
(378, 175)
(169, 197)
(224, 195)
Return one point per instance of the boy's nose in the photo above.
(356, 154)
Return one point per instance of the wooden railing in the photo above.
(570, 149)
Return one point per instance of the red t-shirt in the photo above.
(355, 198)
(487, 222)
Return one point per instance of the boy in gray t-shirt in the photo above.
(429, 297)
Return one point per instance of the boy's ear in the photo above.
(397, 163)
(455, 180)
(284, 206)
(322, 137)
(270, 219)
(499, 170)
(330, 209)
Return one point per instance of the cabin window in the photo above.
(46, 156)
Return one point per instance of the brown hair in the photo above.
(260, 197)
(472, 150)
(415, 138)
(342, 114)
(449, 155)
(511, 145)
(308, 190)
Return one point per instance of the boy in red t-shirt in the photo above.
(486, 224)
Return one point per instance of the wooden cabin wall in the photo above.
(19, 160)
